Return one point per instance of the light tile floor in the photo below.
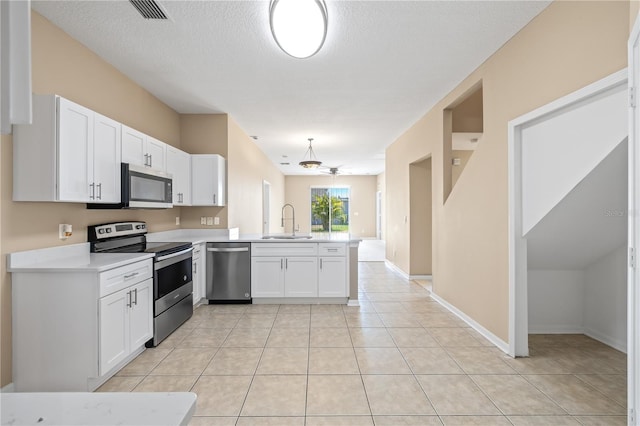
(397, 359)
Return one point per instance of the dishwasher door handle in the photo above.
(228, 250)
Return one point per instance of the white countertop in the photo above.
(100, 408)
(74, 258)
(198, 236)
(77, 258)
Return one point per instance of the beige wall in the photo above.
(205, 134)
(456, 171)
(362, 202)
(63, 66)
(568, 46)
(248, 166)
(420, 217)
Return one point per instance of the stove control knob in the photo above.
(100, 231)
(108, 230)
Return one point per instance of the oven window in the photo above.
(148, 189)
(172, 277)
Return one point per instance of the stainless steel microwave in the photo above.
(142, 188)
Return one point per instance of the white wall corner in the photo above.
(8, 388)
(396, 269)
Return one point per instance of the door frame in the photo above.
(266, 206)
(518, 306)
(379, 215)
(633, 276)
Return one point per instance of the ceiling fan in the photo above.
(333, 171)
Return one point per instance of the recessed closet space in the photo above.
(463, 127)
(574, 219)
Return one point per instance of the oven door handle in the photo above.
(228, 250)
(176, 254)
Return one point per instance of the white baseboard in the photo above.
(8, 388)
(498, 342)
(396, 269)
(420, 277)
(353, 302)
(556, 329)
(620, 345)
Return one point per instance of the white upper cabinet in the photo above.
(143, 150)
(69, 153)
(75, 151)
(106, 154)
(179, 165)
(208, 180)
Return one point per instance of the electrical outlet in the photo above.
(209, 220)
(177, 220)
(216, 220)
(203, 220)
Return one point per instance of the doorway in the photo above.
(420, 219)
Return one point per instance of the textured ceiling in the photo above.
(383, 65)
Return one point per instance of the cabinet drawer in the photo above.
(125, 276)
(332, 249)
(197, 249)
(284, 249)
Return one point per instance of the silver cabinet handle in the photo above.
(128, 299)
(286, 264)
(214, 199)
(135, 291)
(195, 268)
(320, 263)
(93, 191)
(332, 249)
(131, 275)
(146, 159)
(99, 197)
(150, 160)
(281, 261)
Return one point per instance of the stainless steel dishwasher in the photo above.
(229, 272)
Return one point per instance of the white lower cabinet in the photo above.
(73, 329)
(294, 270)
(126, 323)
(198, 274)
(267, 277)
(301, 277)
(332, 281)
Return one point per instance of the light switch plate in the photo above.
(216, 220)
(203, 220)
(210, 221)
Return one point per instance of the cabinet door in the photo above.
(179, 165)
(208, 180)
(75, 151)
(114, 329)
(156, 154)
(332, 278)
(133, 146)
(141, 314)
(267, 277)
(301, 277)
(106, 160)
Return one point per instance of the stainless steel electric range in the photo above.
(172, 275)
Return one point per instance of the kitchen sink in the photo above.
(286, 237)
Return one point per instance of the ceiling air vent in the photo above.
(149, 9)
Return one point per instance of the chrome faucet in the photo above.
(293, 219)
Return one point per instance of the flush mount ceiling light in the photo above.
(312, 162)
(299, 27)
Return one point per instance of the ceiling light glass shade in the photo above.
(310, 164)
(299, 27)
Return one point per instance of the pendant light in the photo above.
(299, 27)
(312, 162)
